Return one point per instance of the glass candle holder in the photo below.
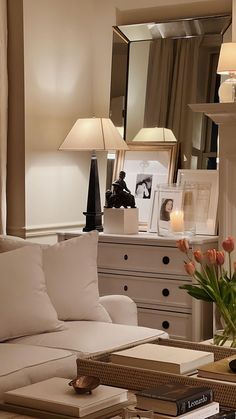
(176, 210)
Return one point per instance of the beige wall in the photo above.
(67, 67)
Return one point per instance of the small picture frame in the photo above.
(146, 166)
(207, 185)
(167, 199)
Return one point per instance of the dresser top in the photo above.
(144, 238)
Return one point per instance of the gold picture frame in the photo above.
(149, 163)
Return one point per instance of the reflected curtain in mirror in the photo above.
(171, 85)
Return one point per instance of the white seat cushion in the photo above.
(25, 364)
(87, 337)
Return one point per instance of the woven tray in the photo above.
(134, 379)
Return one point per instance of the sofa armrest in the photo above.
(122, 309)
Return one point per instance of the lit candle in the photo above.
(177, 221)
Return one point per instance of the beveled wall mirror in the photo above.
(157, 70)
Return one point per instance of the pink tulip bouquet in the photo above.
(213, 283)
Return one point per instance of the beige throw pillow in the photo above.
(25, 308)
(8, 243)
(71, 276)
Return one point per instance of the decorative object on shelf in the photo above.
(94, 134)
(84, 384)
(121, 195)
(147, 165)
(120, 220)
(207, 185)
(214, 283)
(227, 66)
(173, 210)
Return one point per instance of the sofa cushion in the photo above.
(25, 307)
(8, 243)
(71, 276)
(25, 364)
(90, 338)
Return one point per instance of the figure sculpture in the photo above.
(120, 196)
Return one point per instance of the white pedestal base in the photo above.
(120, 220)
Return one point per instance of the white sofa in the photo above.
(43, 337)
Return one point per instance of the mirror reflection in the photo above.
(157, 70)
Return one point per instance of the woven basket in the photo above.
(134, 379)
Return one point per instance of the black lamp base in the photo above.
(93, 221)
(94, 212)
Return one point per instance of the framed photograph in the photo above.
(207, 184)
(167, 199)
(146, 166)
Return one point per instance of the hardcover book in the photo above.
(162, 358)
(218, 370)
(174, 399)
(54, 395)
(201, 413)
(224, 414)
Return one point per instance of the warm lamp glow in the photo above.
(227, 66)
(93, 134)
(155, 134)
(227, 58)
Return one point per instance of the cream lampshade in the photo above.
(95, 134)
(155, 134)
(227, 66)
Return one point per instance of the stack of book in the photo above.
(178, 400)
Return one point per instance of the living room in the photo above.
(59, 69)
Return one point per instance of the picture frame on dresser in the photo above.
(157, 220)
(146, 164)
(207, 184)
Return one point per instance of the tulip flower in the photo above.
(228, 244)
(183, 245)
(211, 256)
(190, 268)
(198, 256)
(213, 283)
(220, 258)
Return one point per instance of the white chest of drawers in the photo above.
(149, 269)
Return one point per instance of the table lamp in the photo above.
(95, 134)
(227, 66)
(157, 134)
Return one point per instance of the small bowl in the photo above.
(84, 384)
(232, 365)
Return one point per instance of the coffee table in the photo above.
(135, 379)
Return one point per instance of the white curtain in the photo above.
(3, 113)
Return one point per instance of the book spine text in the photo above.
(186, 405)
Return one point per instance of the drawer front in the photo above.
(178, 325)
(140, 258)
(163, 292)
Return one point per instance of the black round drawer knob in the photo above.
(126, 288)
(165, 292)
(166, 260)
(165, 324)
(125, 257)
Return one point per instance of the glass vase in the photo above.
(227, 334)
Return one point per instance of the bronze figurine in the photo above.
(120, 196)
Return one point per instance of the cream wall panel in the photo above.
(58, 89)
